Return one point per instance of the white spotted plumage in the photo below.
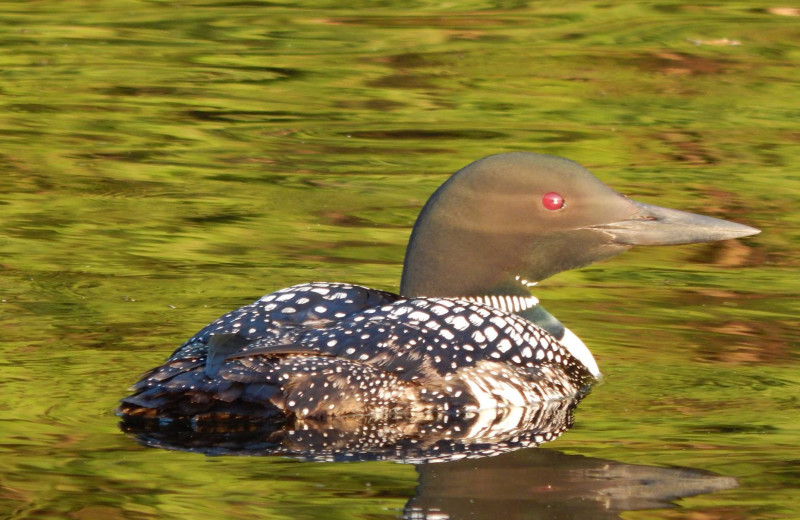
(332, 349)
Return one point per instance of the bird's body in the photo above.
(328, 348)
(464, 334)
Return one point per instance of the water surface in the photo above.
(163, 163)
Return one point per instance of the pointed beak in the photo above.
(653, 225)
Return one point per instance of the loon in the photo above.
(463, 335)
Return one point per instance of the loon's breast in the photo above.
(330, 348)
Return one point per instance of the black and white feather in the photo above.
(325, 349)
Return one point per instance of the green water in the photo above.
(164, 162)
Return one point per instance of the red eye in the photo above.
(552, 201)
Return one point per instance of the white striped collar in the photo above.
(504, 302)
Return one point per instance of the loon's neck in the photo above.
(506, 302)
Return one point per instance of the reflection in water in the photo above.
(484, 471)
(548, 484)
(413, 439)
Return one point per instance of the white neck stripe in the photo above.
(505, 303)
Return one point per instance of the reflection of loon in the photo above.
(465, 334)
(349, 438)
(484, 474)
(544, 483)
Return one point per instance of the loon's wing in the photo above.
(276, 316)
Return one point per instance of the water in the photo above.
(163, 163)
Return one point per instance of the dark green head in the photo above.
(525, 216)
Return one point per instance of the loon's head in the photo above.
(526, 216)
